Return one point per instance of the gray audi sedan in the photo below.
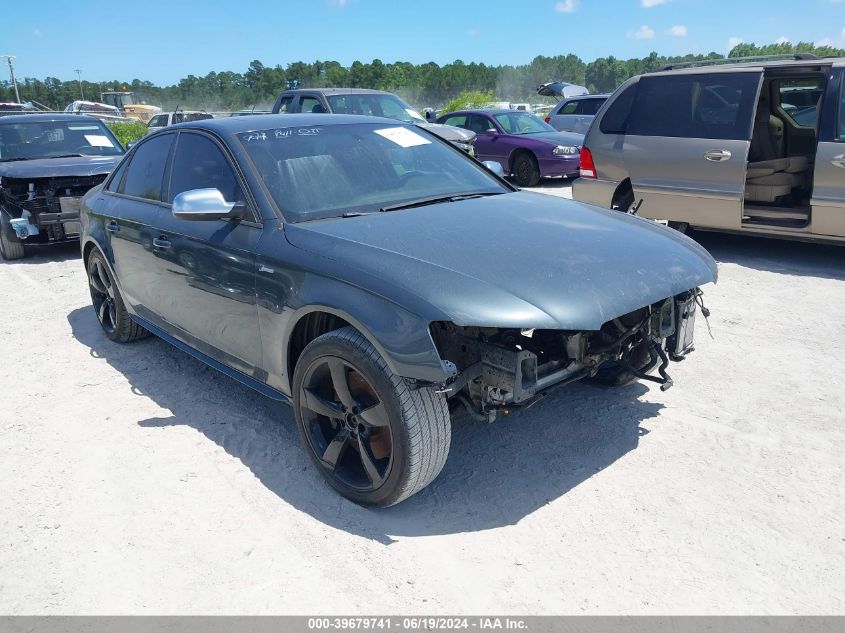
(378, 279)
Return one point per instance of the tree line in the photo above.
(423, 85)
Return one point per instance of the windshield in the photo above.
(385, 105)
(335, 170)
(521, 123)
(51, 139)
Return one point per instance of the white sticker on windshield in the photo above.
(83, 127)
(98, 140)
(403, 136)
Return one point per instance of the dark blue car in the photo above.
(377, 278)
(47, 163)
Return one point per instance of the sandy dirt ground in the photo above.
(133, 479)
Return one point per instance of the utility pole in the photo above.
(9, 59)
(79, 76)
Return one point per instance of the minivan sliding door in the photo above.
(686, 144)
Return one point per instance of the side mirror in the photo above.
(491, 132)
(204, 204)
(495, 167)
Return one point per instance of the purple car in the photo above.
(525, 146)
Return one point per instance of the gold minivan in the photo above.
(751, 147)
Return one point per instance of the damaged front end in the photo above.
(45, 210)
(497, 369)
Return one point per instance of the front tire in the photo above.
(526, 172)
(11, 248)
(108, 304)
(371, 436)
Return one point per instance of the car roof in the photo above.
(337, 91)
(46, 118)
(704, 67)
(486, 111)
(239, 124)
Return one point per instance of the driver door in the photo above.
(686, 145)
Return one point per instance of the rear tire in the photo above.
(526, 172)
(108, 304)
(371, 436)
(11, 248)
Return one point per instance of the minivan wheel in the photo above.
(526, 172)
(11, 247)
(108, 304)
(372, 438)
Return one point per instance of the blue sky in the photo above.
(165, 40)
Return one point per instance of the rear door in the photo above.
(828, 202)
(137, 207)
(686, 145)
(566, 116)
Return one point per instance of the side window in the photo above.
(479, 124)
(615, 119)
(284, 104)
(506, 121)
(590, 106)
(459, 120)
(842, 114)
(800, 100)
(310, 104)
(114, 184)
(569, 108)
(160, 120)
(708, 105)
(145, 172)
(200, 164)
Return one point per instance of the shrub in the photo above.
(469, 100)
(127, 131)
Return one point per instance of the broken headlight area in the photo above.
(46, 209)
(500, 368)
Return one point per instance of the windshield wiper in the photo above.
(68, 156)
(455, 197)
(11, 160)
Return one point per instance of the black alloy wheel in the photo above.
(108, 304)
(347, 424)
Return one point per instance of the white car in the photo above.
(172, 118)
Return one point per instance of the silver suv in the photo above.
(576, 113)
(750, 147)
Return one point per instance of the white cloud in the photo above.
(648, 4)
(645, 32)
(825, 41)
(679, 30)
(473, 32)
(782, 40)
(36, 32)
(567, 6)
(338, 3)
(734, 41)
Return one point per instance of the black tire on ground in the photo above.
(108, 304)
(11, 247)
(526, 172)
(371, 436)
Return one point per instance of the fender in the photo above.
(403, 339)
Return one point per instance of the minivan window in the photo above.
(615, 119)
(711, 105)
(569, 108)
(145, 172)
(198, 163)
(800, 98)
(590, 106)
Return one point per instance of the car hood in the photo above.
(59, 167)
(558, 138)
(449, 132)
(523, 259)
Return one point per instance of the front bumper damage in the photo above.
(498, 369)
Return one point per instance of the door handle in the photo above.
(112, 227)
(161, 242)
(717, 155)
(838, 161)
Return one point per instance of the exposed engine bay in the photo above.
(45, 210)
(502, 368)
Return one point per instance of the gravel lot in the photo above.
(133, 479)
